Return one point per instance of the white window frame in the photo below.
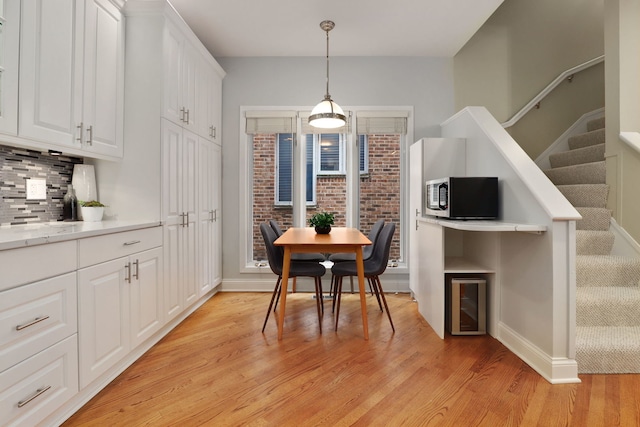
(248, 265)
(342, 152)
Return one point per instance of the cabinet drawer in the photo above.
(94, 250)
(26, 265)
(35, 316)
(35, 388)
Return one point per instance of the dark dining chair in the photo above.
(305, 257)
(373, 268)
(275, 255)
(350, 256)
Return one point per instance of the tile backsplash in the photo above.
(19, 164)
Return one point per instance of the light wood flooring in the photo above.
(218, 369)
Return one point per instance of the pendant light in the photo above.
(327, 114)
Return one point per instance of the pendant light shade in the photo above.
(327, 114)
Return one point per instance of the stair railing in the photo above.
(565, 75)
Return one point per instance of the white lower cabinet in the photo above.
(119, 301)
(36, 387)
(38, 333)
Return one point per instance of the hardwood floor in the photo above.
(216, 368)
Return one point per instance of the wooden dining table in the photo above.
(339, 240)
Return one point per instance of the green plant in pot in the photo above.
(91, 211)
(322, 222)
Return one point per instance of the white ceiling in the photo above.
(363, 27)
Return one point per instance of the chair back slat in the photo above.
(274, 254)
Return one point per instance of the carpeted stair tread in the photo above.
(587, 173)
(595, 124)
(607, 270)
(608, 306)
(593, 218)
(586, 139)
(592, 195)
(594, 242)
(608, 349)
(593, 153)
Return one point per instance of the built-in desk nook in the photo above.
(525, 254)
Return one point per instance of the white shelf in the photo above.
(463, 265)
(484, 225)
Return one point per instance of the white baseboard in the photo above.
(556, 370)
(390, 284)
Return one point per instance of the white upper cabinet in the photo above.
(51, 71)
(71, 75)
(9, 45)
(209, 102)
(103, 79)
(181, 70)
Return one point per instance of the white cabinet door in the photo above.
(205, 216)
(209, 216)
(415, 210)
(103, 317)
(103, 79)
(51, 48)
(180, 75)
(216, 234)
(210, 97)
(146, 295)
(190, 203)
(9, 54)
(180, 199)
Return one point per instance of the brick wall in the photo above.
(379, 190)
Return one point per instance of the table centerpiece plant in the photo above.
(322, 222)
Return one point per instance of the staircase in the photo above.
(608, 292)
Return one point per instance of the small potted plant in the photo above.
(322, 222)
(91, 211)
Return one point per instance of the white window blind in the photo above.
(270, 122)
(381, 122)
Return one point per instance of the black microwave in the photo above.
(462, 197)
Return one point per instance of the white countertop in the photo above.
(483, 225)
(18, 236)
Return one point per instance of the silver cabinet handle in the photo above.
(36, 394)
(90, 133)
(187, 216)
(182, 111)
(33, 322)
(187, 121)
(127, 268)
(182, 216)
(212, 131)
(132, 242)
(136, 274)
(81, 128)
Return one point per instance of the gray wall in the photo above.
(424, 83)
(522, 48)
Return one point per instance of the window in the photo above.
(356, 172)
(284, 171)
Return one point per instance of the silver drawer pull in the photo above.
(33, 322)
(36, 394)
(133, 242)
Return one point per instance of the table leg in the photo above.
(363, 297)
(283, 288)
